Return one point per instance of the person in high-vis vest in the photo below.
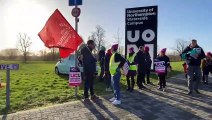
(132, 69)
(116, 63)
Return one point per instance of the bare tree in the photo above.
(54, 53)
(10, 53)
(118, 39)
(43, 54)
(98, 36)
(24, 43)
(180, 45)
(174, 56)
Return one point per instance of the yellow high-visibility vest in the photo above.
(131, 59)
(113, 65)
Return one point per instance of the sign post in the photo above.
(8, 67)
(141, 29)
(8, 89)
(75, 13)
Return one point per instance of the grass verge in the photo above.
(35, 85)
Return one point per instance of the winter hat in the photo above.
(109, 52)
(115, 46)
(208, 54)
(163, 50)
(146, 49)
(132, 49)
(103, 48)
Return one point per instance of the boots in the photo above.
(132, 88)
(205, 81)
(128, 84)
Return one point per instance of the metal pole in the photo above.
(8, 89)
(76, 29)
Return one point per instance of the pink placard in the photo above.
(75, 79)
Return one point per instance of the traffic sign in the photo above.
(9, 66)
(75, 2)
(76, 12)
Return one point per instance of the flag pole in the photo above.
(76, 29)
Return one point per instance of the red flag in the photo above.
(58, 33)
(64, 52)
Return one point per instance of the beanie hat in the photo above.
(208, 54)
(109, 52)
(132, 49)
(163, 50)
(103, 48)
(115, 46)
(146, 49)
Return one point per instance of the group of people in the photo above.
(112, 62)
(134, 60)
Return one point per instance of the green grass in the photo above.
(35, 84)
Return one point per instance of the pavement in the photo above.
(149, 104)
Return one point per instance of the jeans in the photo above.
(89, 78)
(115, 82)
(194, 70)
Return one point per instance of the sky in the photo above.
(177, 19)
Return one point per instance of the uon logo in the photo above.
(147, 35)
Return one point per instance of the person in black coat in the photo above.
(89, 69)
(140, 61)
(162, 65)
(148, 65)
(101, 62)
(107, 75)
(193, 55)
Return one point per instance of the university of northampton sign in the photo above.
(141, 29)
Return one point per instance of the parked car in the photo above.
(63, 65)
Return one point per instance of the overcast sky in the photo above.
(177, 19)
